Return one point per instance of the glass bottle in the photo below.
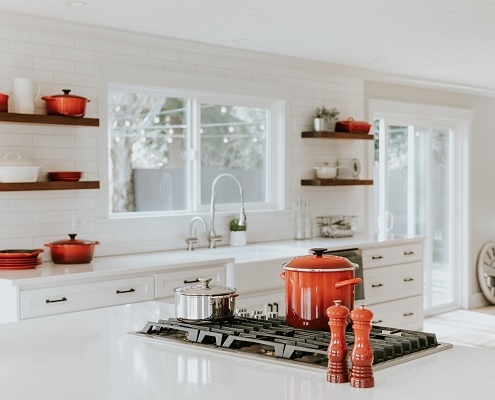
(308, 220)
(297, 208)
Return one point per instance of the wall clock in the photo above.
(486, 270)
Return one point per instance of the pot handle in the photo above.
(353, 281)
(282, 275)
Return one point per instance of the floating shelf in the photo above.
(48, 119)
(337, 135)
(55, 185)
(336, 182)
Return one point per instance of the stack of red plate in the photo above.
(65, 176)
(20, 258)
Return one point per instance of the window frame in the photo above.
(273, 98)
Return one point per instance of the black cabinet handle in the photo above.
(408, 279)
(408, 253)
(56, 301)
(377, 321)
(376, 284)
(410, 314)
(125, 291)
(376, 257)
(193, 281)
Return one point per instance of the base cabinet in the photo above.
(63, 299)
(393, 284)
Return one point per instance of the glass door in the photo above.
(415, 190)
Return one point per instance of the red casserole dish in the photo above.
(352, 126)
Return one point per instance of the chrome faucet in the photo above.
(191, 240)
(213, 238)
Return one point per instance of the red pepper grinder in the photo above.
(361, 354)
(338, 352)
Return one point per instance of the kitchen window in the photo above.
(167, 146)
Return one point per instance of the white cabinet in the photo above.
(393, 284)
(77, 297)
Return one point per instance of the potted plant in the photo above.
(325, 119)
(238, 235)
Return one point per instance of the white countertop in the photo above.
(101, 267)
(89, 355)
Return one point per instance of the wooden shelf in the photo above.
(337, 135)
(55, 185)
(48, 119)
(336, 182)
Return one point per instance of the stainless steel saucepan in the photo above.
(204, 302)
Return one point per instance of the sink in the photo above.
(256, 253)
(257, 268)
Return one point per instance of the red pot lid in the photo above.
(320, 262)
(73, 241)
(65, 95)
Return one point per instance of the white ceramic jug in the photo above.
(24, 96)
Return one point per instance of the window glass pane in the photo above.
(146, 144)
(234, 140)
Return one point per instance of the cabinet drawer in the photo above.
(393, 282)
(63, 299)
(404, 313)
(392, 255)
(166, 282)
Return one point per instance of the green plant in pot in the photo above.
(238, 235)
(325, 119)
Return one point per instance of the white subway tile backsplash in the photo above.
(31, 49)
(59, 61)
(52, 64)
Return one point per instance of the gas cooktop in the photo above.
(273, 339)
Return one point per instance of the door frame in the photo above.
(461, 119)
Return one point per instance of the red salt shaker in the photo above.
(338, 352)
(361, 355)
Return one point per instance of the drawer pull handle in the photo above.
(377, 321)
(56, 301)
(376, 284)
(410, 314)
(408, 253)
(408, 279)
(376, 257)
(193, 281)
(125, 291)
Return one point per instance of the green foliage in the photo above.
(325, 113)
(234, 225)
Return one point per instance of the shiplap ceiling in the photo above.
(451, 42)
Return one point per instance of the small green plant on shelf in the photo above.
(326, 114)
(235, 227)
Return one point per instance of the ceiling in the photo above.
(451, 42)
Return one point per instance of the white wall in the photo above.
(60, 56)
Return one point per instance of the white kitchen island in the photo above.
(89, 355)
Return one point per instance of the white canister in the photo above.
(24, 96)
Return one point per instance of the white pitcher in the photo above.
(24, 95)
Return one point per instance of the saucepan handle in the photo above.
(353, 281)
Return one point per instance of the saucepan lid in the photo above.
(204, 288)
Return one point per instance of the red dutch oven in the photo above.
(66, 104)
(312, 284)
(4, 102)
(72, 251)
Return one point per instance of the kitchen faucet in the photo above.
(213, 238)
(191, 240)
